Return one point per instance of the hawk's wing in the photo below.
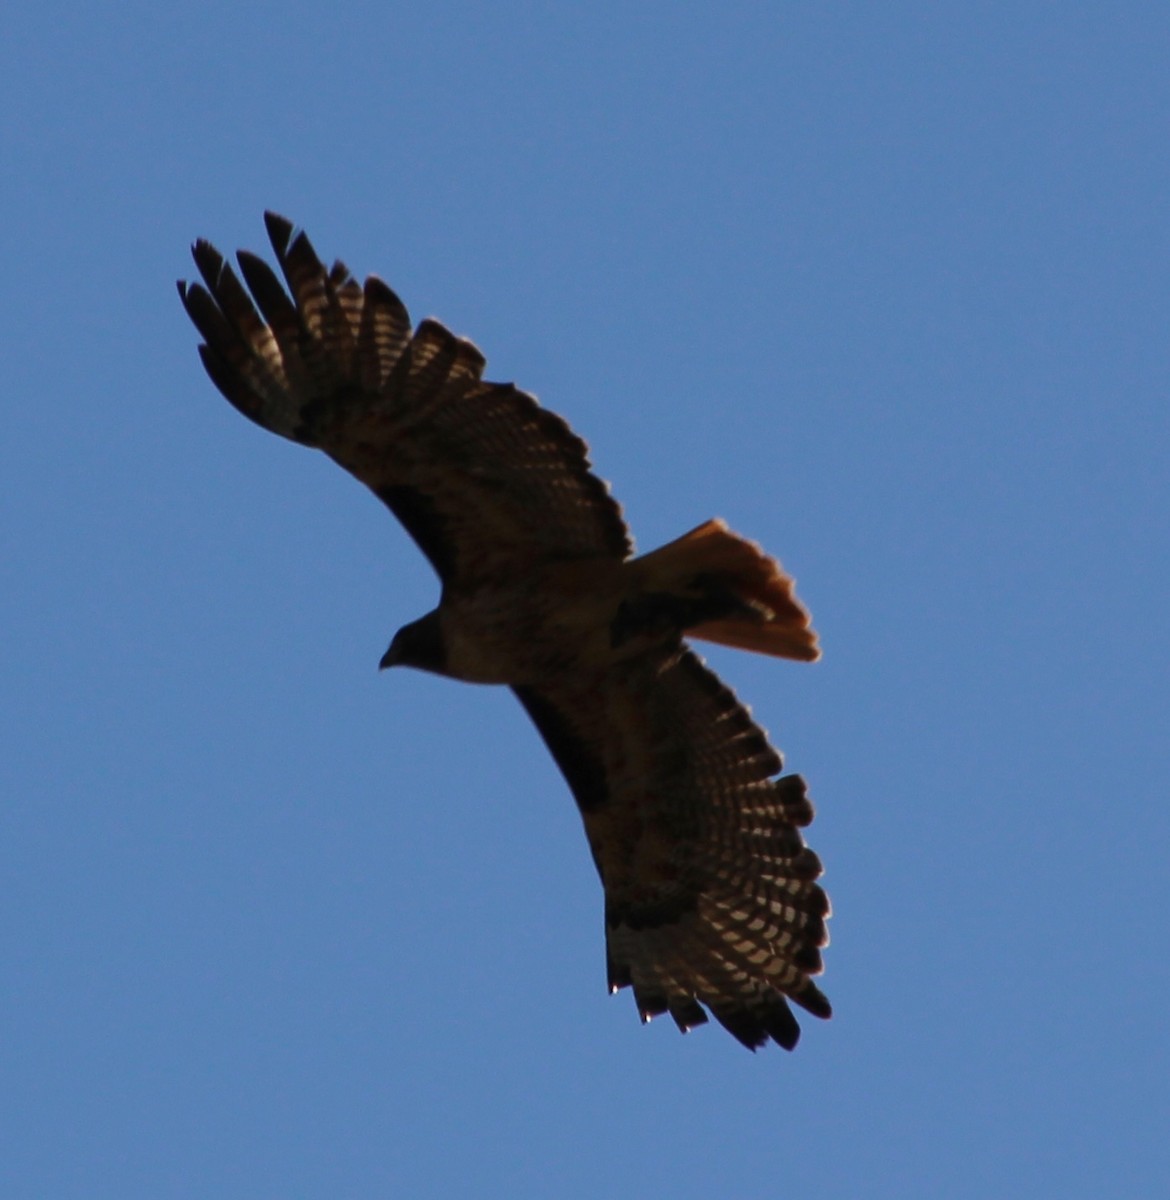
(711, 893)
(482, 477)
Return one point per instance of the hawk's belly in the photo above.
(526, 632)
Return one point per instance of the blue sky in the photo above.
(883, 285)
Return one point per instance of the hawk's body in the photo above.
(711, 894)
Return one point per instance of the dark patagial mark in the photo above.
(582, 769)
(422, 520)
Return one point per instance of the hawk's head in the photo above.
(419, 645)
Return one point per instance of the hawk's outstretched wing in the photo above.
(464, 464)
(710, 892)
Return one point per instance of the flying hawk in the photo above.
(711, 899)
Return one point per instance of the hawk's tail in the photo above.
(722, 588)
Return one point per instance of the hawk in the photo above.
(711, 897)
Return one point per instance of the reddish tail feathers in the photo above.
(764, 613)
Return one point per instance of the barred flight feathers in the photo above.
(462, 462)
(711, 893)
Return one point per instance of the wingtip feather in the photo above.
(279, 230)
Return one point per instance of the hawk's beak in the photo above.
(389, 659)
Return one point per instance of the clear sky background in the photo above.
(884, 285)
